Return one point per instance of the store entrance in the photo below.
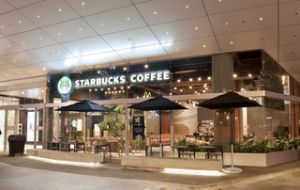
(30, 124)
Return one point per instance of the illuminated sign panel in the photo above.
(64, 85)
(121, 79)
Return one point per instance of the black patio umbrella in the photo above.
(85, 106)
(228, 100)
(160, 104)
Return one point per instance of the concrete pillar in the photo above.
(224, 128)
(222, 81)
(222, 71)
(172, 128)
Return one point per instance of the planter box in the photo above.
(67, 156)
(262, 159)
(155, 163)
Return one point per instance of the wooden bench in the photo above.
(154, 139)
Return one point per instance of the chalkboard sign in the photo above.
(138, 128)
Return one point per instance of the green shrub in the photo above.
(253, 145)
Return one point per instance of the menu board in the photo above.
(138, 128)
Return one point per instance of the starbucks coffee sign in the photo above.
(65, 85)
(153, 76)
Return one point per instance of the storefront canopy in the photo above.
(157, 103)
(228, 100)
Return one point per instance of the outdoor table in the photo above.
(150, 146)
(181, 149)
(66, 146)
(208, 149)
(103, 148)
(53, 145)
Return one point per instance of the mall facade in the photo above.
(187, 80)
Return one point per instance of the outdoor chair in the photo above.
(79, 145)
(187, 153)
(217, 153)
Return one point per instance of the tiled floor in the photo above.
(24, 173)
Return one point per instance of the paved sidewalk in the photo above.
(112, 176)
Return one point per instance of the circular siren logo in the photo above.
(64, 85)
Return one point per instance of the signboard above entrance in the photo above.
(121, 79)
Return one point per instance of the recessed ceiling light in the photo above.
(59, 10)
(226, 23)
(190, 87)
(249, 75)
(146, 66)
(175, 88)
(19, 21)
(196, 28)
(2, 26)
(187, 6)
(208, 78)
(8, 45)
(261, 18)
(124, 68)
(58, 34)
(231, 42)
(82, 3)
(180, 90)
(155, 12)
(178, 80)
(191, 79)
(128, 18)
(204, 46)
(234, 75)
(101, 24)
(220, 1)
(199, 79)
(38, 16)
(79, 29)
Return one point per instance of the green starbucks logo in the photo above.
(64, 85)
(74, 123)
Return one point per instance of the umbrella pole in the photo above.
(86, 126)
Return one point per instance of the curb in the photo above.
(247, 180)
